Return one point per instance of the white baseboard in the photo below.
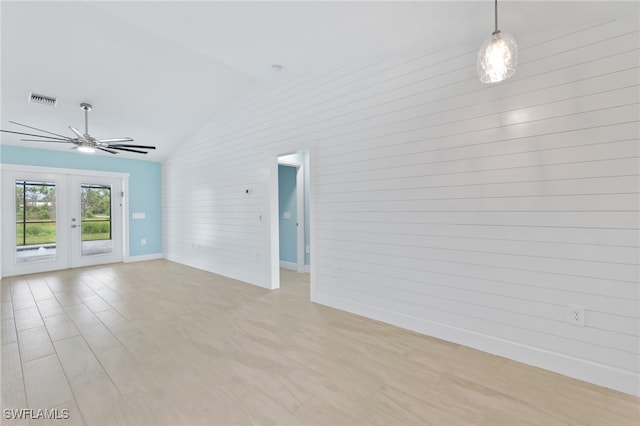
(142, 258)
(294, 266)
(289, 265)
(215, 269)
(581, 369)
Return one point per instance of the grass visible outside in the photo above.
(37, 233)
(93, 230)
(45, 233)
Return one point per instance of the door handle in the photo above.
(74, 226)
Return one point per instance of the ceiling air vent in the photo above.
(41, 99)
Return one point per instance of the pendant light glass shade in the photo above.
(497, 58)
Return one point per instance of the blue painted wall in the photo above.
(287, 203)
(145, 193)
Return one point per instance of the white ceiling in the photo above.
(158, 71)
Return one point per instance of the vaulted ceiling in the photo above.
(158, 71)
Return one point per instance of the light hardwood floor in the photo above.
(158, 343)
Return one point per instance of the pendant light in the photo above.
(498, 56)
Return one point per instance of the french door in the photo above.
(55, 221)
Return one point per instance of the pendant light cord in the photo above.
(496, 16)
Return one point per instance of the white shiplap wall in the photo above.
(469, 212)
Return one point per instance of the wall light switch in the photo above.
(286, 215)
(576, 315)
(335, 271)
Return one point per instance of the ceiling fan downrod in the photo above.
(86, 108)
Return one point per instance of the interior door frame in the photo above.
(299, 211)
(272, 280)
(8, 246)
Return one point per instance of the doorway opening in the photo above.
(291, 210)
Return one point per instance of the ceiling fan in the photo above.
(84, 142)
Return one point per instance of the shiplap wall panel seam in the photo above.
(310, 131)
(375, 178)
(468, 237)
(244, 129)
(404, 161)
(624, 273)
(497, 113)
(492, 197)
(602, 307)
(263, 90)
(421, 139)
(342, 113)
(511, 252)
(577, 115)
(598, 301)
(563, 223)
(633, 114)
(561, 52)
(499, 225)
(532, 181)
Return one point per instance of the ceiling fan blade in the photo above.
(40, 130)
(39, 136)
(124, 145)
(115, 140)
(44, 140)
(77, 132)
(107, 150)
(127, 149)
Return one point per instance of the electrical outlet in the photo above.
(307, 249)
(143, 242)
(576, 315)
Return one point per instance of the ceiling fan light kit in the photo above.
(86, 149)
(498, 57)
(84, 142)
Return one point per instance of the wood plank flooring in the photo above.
(158, 343)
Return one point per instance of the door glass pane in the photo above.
(36, 228)
(95, 203)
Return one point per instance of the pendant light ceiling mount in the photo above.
(498, 57)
